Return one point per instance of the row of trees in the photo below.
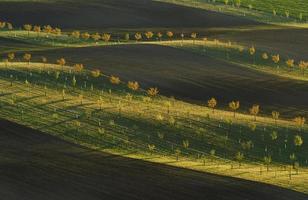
(45, 29)
(6, 25)
(95, 36)
(286, 13)
(239, 156)
(48, 29)
(127, 36)
(134, 85)
(254, 111)
(78, 68)
(290, 63)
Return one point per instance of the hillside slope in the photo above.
(189, 76)
(38, 166)
(98, 15)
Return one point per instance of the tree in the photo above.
(276, 59)
(56, 31)
(133, 85)
(254, 110)
(114, 80)
(96, 37)
(212, 154)
(212, 103)
(298, 141)
(10, 56)
(61, 62)
(169, 34)
(74, 81)
(95, 73)
(252, 52)
(151, 148)
(182, 37)
(37, 29)
(234, 105)
(44, 60)
(47, 29)
(267, 161)
(2, 25)
(193, 36)
(149, 35)
(274, 135)
(106, 37)
(85, 36)
(275, 116)
(75, 34)
(292, 158)
(9, 26)
(126, 37)
(6, 62)
(63, 94)
(138, 36)
(100, 103)
(177, 153)
(265, 56)
(303, 66)
(185, 144)
(299, 122)
(300, 16)
(78, 68)
(159, 35)
(152, 92)
(28, 28)
(168, 105)
(27, 57)
(80, 97)
(239, 156)
(290, 63)
(226, 2)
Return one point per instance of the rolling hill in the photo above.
(133, 116)
(189, 76)
(98, 15)
(37, 166)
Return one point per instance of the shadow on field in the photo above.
(289, 42)
(190, 76)
(34, 165)
(102, 14)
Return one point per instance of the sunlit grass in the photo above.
(117, 120)
(257, 10)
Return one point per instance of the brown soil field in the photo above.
(290, 42)
(36, 166)
(110, 14)
(189, 76)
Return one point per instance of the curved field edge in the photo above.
(131, 126)
(53, 164)
(285, 15)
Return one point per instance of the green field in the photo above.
(109, 105)
(268, 11)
